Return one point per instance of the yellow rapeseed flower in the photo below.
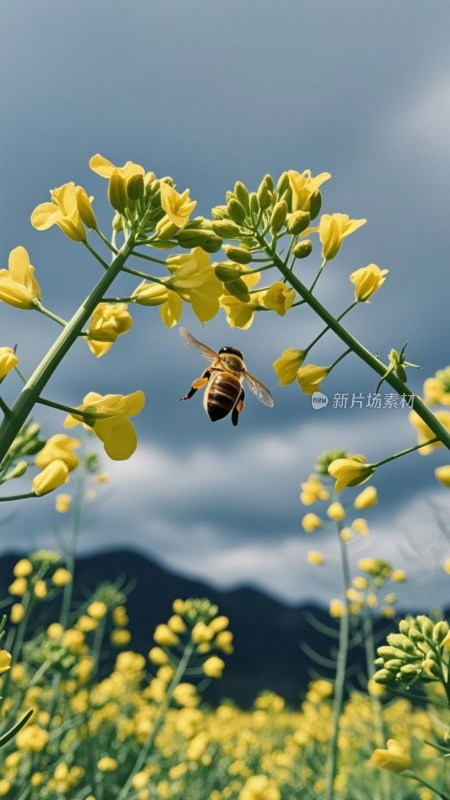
(367, 498)
(107, 764)
(178, 207)
(195, 281)
(5, 661)
(108, 322)
(23, 568)
(437, 389)
(336, 512)
(398, 576)
(69, 203)
(32, 738)
(16, 613)
(425, 433)
(333, 229)
(394, 759)
(40, 589)
(164, 636)
(304, 186)
(62, 503)
(313, 490)
(120, 637)
(60, 446)
(55, 474)
(315, 558)
(360, 526)
(155, 294)
(367, 281)
(350, 471)
(337, 608)
(287, 365)
(18, 286)
(8, 360)
(213, 667)
(97, 609)
(110, 421)
(443, 474)
(18, 587)
(310, 377)
(278, 297)
(311, 522)
(61, 577)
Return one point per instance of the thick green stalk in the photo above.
(26, 400)
(372, 361)
(341, 669)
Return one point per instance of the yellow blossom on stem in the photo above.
(5, 661)
(437, 389)
(61, 577)
(213, 667)
(155, 294)
(337, 608)
(304, 186)
(121, 179)
(425, 433)
(239, 311)
(23, 568)
(109, 414)
(394, 759)
(195, 281)
(8, 360)
(51, 477)
(336, 512)
(350, 471)
(18, 587)
(18, 286)
(97, 609)
(398, 576)
(62, 503)
(367, 498)
(333, 229)
(40, 589)
(367, 281)
(311, 522)
(108, 322)
(32, 738)
(287, 365)
(315, 558)
(120, 637)
(313, 490)
(311, 377)
(17, 613)
(178, 207)
(278, 297)
(59, 446)
(64, 211)
(443, 474)
(360, 526)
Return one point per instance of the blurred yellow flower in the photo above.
(425, 433)
(107, 764)
(120, 637)
(313, 490)
(311, 522)
(367, 281)
(110, 421)
(108, 322)
(32, 738)
(16, 613)
(394, 759)
(315, 558)
(333, 229)
(8, 360)
(61, 577)
(178, 207)
(287, 365)
(18, 286)
(360, 526)
(69, 202)
(437, 389)
(59, 446)
(213, 667)
(367, 498)
(40, 589)
(97, 609)
(56, 473)
(350, 471)
(5, 661)
(336, 512)
(62, 503)
(23, 568)
(398, 576)
(443, 474)
(18, 587)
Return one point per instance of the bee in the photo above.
(223, 380)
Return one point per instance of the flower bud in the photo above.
(191, 237)
(238, 254)
(278, 216)
(17, 471)
(315, 204)
(302, 249)
(165, 229)
(8, 360)
(220, 213)
(239, 289)
(211, 242)
(298, 222)
(117, 192)
(254, 205)
(236, 211)
(51, 477)
(440, 631)
(85, 209)
(242, 195)
(426, 625)
(264, 195)
(283, 182)
(227, 273)
(135, 187)
(226, 229)
(409, 670)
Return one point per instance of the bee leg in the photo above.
(199, 383)
(238, 409)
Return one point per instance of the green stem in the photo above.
(61, 407)
(414, 777)
(404, 452)
(26, 400)
(143, 755)
(6, 409)
(321, 269)
(341, 669)
(17, 497)
(71, 556)
(50, 314)
(372, 361)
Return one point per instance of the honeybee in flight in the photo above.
(223, 381)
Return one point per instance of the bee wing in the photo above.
(258, 389)
(194, 344)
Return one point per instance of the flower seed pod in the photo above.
(238, 254)
(303, 249)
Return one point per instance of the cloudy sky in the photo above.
(209, 93)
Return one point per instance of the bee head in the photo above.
(230, 350)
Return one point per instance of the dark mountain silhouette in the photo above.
(272, 640)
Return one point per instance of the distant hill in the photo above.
(268, 635)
